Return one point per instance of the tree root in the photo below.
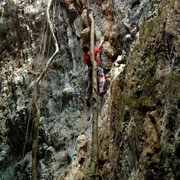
(94, 146)
(55, 41)
(35, 92)
(36, 132)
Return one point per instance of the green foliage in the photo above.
(164, 152)
(137, 47)
(140, 96)
(173, 85)
(152, 27)
(149, 28)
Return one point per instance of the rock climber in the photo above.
(100, 71)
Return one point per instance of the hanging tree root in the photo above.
(55, 41)
(35, 91)
(36, 131)
(94, 145)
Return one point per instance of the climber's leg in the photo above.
(101, 81)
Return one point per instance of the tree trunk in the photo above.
(94, 146)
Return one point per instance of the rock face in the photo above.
(139, 116)
(143, 122)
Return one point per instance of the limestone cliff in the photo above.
(139, 116)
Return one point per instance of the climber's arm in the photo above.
(101, 43)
